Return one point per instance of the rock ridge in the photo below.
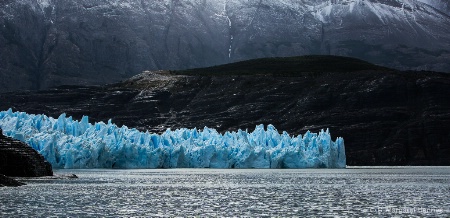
(17, 159)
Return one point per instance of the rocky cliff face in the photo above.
(54, 42)
(386, 117)
(17, 159)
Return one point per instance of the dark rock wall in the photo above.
(386, 118)
(48, 43)
(17, 159)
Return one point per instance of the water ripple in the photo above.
(413, 192)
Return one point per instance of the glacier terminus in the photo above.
(68, 143)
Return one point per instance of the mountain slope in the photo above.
(386, 117)
(53, 42)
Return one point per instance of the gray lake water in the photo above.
(403, 191)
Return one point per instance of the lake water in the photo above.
(402, 191)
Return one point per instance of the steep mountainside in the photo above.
(44, 43)
(386, 117)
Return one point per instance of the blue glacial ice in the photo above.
(68, 143)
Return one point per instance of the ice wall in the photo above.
(68, 143)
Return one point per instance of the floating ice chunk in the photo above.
(67, 143)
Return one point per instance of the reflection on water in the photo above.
(421, 191)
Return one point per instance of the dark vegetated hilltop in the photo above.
(386, 117)
(286, 66)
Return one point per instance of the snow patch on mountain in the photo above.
(441, 5)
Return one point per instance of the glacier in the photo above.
(68, 143)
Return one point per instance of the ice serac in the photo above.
(68, 143)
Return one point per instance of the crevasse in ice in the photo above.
(67, 143)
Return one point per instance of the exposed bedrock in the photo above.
(385, 117)
(17, 159)
(46, 43)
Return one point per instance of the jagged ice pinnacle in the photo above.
(68, 143)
